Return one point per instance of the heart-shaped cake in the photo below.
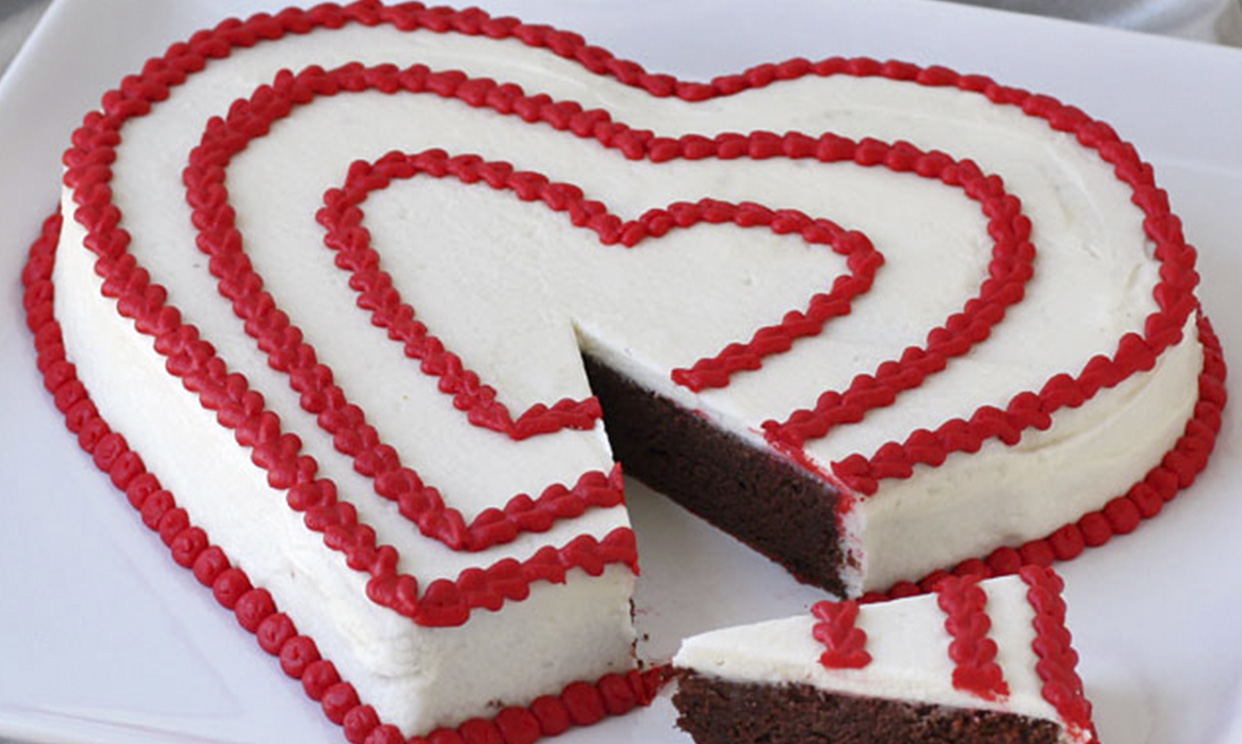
(366, 307)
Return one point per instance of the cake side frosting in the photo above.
(485, 519)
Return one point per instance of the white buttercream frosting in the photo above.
(520, 294)
(909, 649)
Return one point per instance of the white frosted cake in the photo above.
(971, 662)
(362, 307)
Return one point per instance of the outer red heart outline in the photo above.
(88, 174)
(348, 237)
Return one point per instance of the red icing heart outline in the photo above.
(88, 174)
(343, 218)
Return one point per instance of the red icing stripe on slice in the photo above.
(845, 644)
(974, 654)
(1057, 659)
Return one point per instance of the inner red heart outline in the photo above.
(343, 218)
(251, 118)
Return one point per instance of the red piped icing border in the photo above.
(579, 704)
(1057, 659)
(972, 651)
(845, 644)
(194, 361)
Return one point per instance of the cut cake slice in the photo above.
(972, 662)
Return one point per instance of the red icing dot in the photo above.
(480, 731)
(1096, 529)
(518, 726)
(338, 699)
(229, 586)
(1067, 542)
(296, 655)
(171, 524)
(445, 736)
(253, 608)
(274, 631)
(140, 488)
(583, 703)
(617, 694)
(359, 722)
(1122, 515)
(1037, 553)
(385, 734)
(155, 506)
(209, 564)
(109, 447)
(1004, 561)
(188, 545)
(317, 677)
(552, 714)
(127, 468)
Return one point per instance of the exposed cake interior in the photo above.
(717, 711)
(754, 494)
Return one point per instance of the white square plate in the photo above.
(104, 639)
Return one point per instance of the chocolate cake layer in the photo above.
(770, 504)
(715, 711)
